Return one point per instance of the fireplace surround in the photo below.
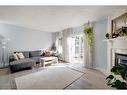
(116, 52)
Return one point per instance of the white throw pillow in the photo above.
(20, 55)
(15, 56)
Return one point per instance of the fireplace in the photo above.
(120, 58)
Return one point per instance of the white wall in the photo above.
(100, 47)
(24, 38)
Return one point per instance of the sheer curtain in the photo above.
(62, 44)
(66, 35)
(58, 42)
(4, 60)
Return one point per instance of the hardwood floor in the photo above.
(91, 79)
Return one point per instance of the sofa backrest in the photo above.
(36, 53)
(25, 53)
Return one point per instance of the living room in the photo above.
(56, 43)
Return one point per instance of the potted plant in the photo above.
(123, 31)
(88, 31)
(107, 35)
(118, 77)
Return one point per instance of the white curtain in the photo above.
(66, 35)
(63, 36)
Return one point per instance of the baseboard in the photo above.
(102, 70)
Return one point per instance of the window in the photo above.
(59, 45)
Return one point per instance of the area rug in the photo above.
(53, 78)
(77, 66)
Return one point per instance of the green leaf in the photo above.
(123, 75)
(88, 31)
(110, 77)
(114, 69)
(124, 83)
(119, 85)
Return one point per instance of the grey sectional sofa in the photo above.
(31, 58)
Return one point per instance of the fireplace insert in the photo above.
(120, 59)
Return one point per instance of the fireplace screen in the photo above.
(120, 58)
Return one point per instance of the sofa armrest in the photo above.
(11, 58)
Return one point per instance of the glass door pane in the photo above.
(76, 49)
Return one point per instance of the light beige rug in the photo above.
(52, 78)
(77, 66)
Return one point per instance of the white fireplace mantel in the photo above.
(115, 45)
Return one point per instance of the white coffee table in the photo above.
(48, 60)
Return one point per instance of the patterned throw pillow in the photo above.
(47, 53)
(15, 56)
(20, 55)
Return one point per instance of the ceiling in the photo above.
(54, 18)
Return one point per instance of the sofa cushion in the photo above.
(26, 54)
(35, 53)
(37, 59)
(22, 61)
(18, 67)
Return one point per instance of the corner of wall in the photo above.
(102, 70)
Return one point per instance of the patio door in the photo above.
(76, 47)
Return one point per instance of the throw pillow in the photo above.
(15, 56)
(47, 53)
(20, 55)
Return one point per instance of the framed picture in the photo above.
(117, 24)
